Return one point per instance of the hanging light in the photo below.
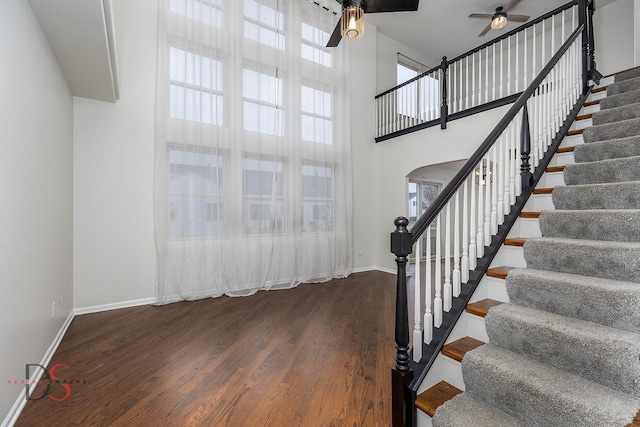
(499, 20)
(352, 22)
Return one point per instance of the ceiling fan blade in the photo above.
(485, 31)
(510, 6)
(518, 18)
(481, 15)
(336, 36)
(380, 6)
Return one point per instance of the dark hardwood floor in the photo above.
(316, 355)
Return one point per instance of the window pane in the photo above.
(261, 87)
(316, 101)
(207, 11)
(263, 191)
(315, 54)
(265, 24)
(195, 106)
(263, 119)
(262, 177)
(318, 130)
(194, 69)
(195, 194)
(316, 181)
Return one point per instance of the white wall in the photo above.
(36, 193)
(114, 256)
(636, 31)
(387, 50)
(614, 31)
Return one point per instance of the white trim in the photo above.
(21, 401)
(374, 268)
(114, 306)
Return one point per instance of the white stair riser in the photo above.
(590, 109)
(561, 159)
(571, 141)
(598, 95)
(492, 288)
(510, 255)
(525, 227)
(445, 369)
(551, 179)
(582, 124)
(539, 202)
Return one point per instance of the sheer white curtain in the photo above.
(253, 166)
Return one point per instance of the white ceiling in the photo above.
(443, 27)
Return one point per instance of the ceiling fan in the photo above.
(351, 23)
(500, 18)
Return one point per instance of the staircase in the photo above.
(558, 343)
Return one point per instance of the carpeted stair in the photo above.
(566, 350)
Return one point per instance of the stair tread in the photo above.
(585, 116)
(457, 349)
(543, 190)
(499, 272)
(555, 168)
(566, 149)
(480, 308)
(599, 89)
(591, 103)
(515, 241)
(575, 132)
(429, 400)
(529, 214)
(635, 422)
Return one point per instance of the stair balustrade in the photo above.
(474, 212)
(489, 76)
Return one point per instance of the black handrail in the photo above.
(423, 222)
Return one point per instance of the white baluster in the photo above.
(473, 82)
(465, 233)
(480, 237)
(456, 246)
(500, 176)
(487, 206)
(473, 251)
(493, 72)
(494, 189)
(513, 156)
(428, 312)
(467, 85)
(448, 289)
(524, 65)
(501, 71)
(509, 68)
(486, 74)
(417, 313)
(437, 302)
(517, 61)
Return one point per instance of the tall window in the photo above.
(253, 178)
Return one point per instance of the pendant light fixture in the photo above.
(352, 22)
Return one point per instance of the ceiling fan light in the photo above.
(352, 22)
(499, 21)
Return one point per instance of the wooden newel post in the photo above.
(444, 103)
(402, 374)
(525, 150)
(582, 20)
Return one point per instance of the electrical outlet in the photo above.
(53, 309)
(61, 299)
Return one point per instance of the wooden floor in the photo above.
(316, 355)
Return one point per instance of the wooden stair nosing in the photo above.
(499, 272)
(543, 190)
(529, 214)
(480, 308)
(458, 348)
(599, 89)
(636, 421)
(584, 117)
(555, 168)
(566, 149)
(592, 103)
(514, 241)
(429, 400)
(573, 132)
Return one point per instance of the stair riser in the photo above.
(525, 228)
(551, 179)
(491, 288)
(561, 159)
(539, 202)
(555, 340)
(620, 261)
(571, 141)
(511, 256)
(630, 74)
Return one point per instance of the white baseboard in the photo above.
(114, 306)
(18, 406)
(375, 268)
